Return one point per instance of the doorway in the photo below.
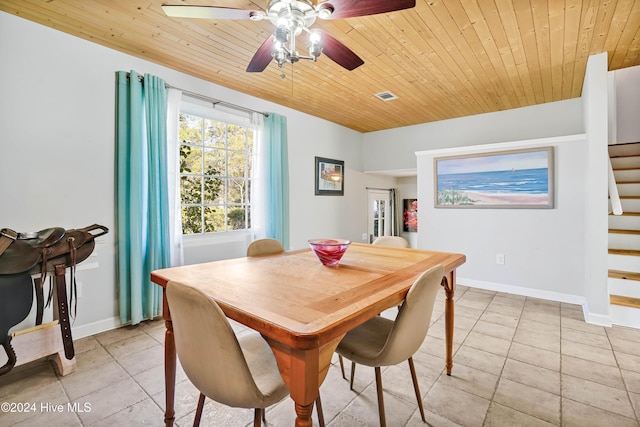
(380, 217)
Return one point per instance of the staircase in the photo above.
(624, 238)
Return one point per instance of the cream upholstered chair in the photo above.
(236, 371)
(264, 247)
(395, 241)
(270, 246)
(384, 342)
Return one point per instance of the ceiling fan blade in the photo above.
(262, 57)
(339, 53)
(206, 12)
(354, 8)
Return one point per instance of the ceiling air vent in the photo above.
(386, 96)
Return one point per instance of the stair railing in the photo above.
(616, 206)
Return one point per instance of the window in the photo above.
(216, 152)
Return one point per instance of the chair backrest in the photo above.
(395, 241)
(208, 349)
(264, 247)
(412, 322)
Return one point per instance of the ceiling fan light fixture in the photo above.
(315, 50)
(281, 35)
(290, 18)
(325, 11)
(256, 16)
(315, 36)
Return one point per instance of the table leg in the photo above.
(169, 364)
(303, 371)
(448, 282)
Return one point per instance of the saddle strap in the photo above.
(7, 237)
(74, 287)
(63, 311)
(37, 285)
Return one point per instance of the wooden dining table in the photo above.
(303, 308)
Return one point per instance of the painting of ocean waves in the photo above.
(533, 181)
(519, 178)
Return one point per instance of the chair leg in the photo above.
(383, 421)
(257, 417)
(342, 366)
(319, 411)
(353, 374)
(416, 388)
(196, 420)
(264, 415)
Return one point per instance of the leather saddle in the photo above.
(52, 250)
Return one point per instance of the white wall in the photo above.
(394, 149)
(595, 108)
(327, 216)
(626, 105)
(57, 147)
(543, 248)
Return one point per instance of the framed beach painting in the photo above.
(505, 179)
(329, 177)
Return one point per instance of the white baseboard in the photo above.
(596, 319)
(625, 316)
(95, 327)
(519, 290)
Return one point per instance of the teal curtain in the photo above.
(277, 178)
(142, 208)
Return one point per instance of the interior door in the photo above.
(379, 214)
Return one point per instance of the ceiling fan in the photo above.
(291, 18)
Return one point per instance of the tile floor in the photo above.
(518, 362)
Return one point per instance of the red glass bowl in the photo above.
(329, 251)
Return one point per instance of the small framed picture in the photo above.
(410, 215)
(329, 177)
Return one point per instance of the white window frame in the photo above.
(207, 111)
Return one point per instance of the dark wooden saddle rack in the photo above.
(49, 251)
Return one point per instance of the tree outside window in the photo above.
(215, 170)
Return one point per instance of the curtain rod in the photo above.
(382, 189)
(215, 101)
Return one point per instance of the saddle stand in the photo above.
(49, 251)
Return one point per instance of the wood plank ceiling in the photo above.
(443, 58)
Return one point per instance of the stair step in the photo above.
(627, 149)
(626, 221)
(627, 174)
(621, 231)
(631, 252)
(623, 263)
(624, 316)
(628, 214)
(627, 189)
(622, 156)
(627, 275)
(625, 301)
